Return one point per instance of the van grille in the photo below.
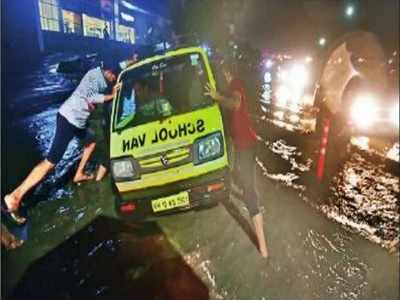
(166, 160)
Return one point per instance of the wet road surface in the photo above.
(364, 194)
(76, 248)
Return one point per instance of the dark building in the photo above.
(88, 21)
(32, 27)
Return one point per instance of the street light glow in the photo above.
(350, 10)
(322, 41)
(269, 64)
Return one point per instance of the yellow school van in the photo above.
(167, 144)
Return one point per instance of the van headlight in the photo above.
(208, 148)
(123, 169)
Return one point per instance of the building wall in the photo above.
(114, 50)
(21, 30)
(19, 23)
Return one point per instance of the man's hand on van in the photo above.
(229, 102)
(212, 92)
(111, 96)
(108, 97)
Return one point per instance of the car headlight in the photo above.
(208, 148)
(123, 169)
(299, 76)
(364, 111)
(292, 84)
(282, 95)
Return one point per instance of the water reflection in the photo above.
(365, 196)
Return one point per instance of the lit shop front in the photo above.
(126, 34)
(72, 22)
(95, 27)
(86, 24)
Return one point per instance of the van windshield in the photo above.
(162, 89)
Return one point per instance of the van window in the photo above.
(162, 89)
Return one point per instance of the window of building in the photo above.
(72, 22)
(49, 19)
(96, 27)
(126, 34)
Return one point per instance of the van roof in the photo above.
(181, 51)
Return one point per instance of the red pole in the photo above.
(323, 149)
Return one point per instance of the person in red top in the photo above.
(244, 140)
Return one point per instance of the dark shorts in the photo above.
(65, 132)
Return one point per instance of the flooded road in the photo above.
(76, 248)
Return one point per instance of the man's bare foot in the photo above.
(83, 177)
(11, 202)
(394, 246)
(264, 252)
(8, 240)
(101, 172)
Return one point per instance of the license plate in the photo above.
(170, 202)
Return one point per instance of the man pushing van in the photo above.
(71, 122)
(244, 140)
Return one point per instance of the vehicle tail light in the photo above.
(127, 208)
(215, 187)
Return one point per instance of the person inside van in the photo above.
(244, 141)
(128, 104)
(149, 103)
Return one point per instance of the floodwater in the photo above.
(364, 194)
(76, 248)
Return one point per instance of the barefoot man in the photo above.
(71, 122)
(244, 140)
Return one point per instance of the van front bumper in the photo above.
(202, 191)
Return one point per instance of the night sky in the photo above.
(296, 25)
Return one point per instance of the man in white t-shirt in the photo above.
(71, 122)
